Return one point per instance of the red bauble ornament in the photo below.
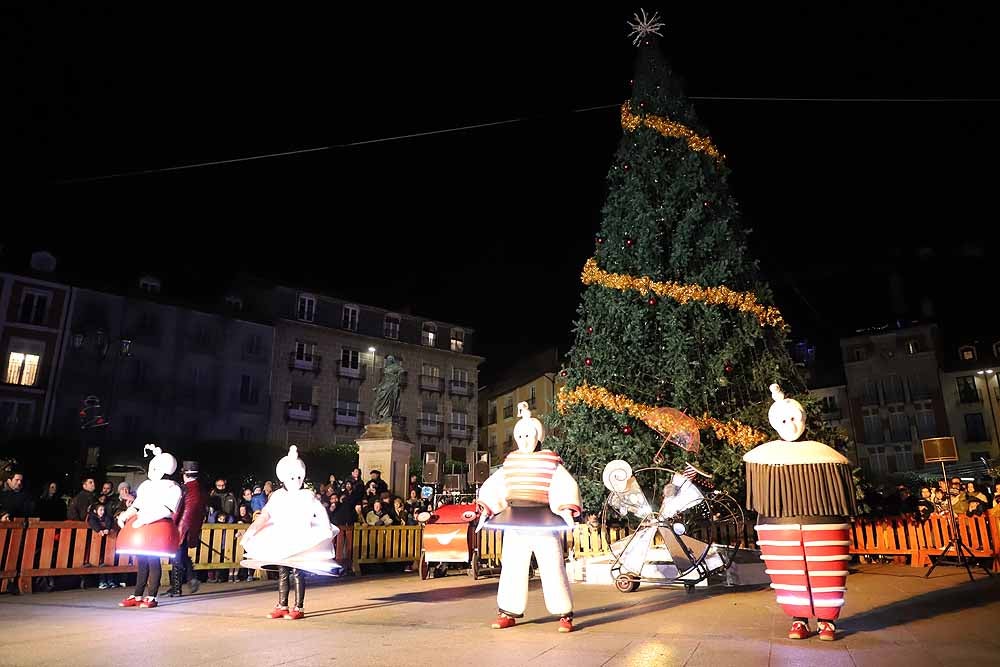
(590, 330)
(627, 430)
(652, 301)
(588, 361)
(729, 368)
(600, 240)
(629, 243)
(563, 372)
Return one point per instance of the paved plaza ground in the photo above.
(893, 617)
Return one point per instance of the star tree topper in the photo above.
(645, 26)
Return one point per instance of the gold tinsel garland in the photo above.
(723, 296)
(669, 128)
(732, 431)
(742, 301)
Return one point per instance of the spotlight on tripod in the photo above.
(943, 450)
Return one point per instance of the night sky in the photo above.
(490, 227)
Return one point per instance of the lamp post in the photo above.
(988, 373)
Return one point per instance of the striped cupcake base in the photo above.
(807, 564)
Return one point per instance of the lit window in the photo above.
(22, 368)
(390, 328)
(428, 335)
(967, 353)
(457, 340)
(350, 318)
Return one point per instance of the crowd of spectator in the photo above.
(946, 497)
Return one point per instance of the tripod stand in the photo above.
(965, 559)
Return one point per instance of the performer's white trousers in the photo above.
(512, 596)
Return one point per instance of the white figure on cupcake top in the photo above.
(293, 529)
(788, 418)
(156, 498)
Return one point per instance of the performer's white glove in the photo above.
(567, 516)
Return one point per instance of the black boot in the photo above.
(175, 583)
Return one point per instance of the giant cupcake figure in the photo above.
(293, 534)
(148, 531)
(803, 493)
(533, 499)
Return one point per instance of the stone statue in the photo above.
(386, 402)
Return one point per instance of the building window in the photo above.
(460, 375)
(428, 334)
(460, 419)
(16, 417)
(858, 354)
(912, 346)
(872, 424)
(829, 403)
(350, 359)
(78, 341)
(34, 307)
(457, 340)
(390, 327)
(349, 319)
(492, 440)
(508, 441)
(996, 349)
(304, 351)
(491, 412)
(249, 391)
(508, 407)
(975, 428)
(307, 308)
(892, 389)
(899, 424)
(234, 302)
(967, 353)
(870, 393)
(22, 368)
(246, 434)
(253, 345)
(430, 371)
(531, 397)
(926, 424)
(150, 284)
(967, 391)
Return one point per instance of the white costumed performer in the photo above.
(148, 531)
(803, 493)
(532, 498)
(292, 533)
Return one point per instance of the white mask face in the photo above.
(788, 419)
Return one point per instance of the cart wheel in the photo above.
(423, 568)
(626, 584)
(474, 570)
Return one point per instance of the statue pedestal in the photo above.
(384, 447)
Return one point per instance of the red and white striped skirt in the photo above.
(807, 565)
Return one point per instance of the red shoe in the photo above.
(503, 621)
(566, 624)
(278, 612)
(827, 630)
(799, 630)
(130, 601)
(148, 603)
(294, 614)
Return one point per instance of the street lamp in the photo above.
(987, 373)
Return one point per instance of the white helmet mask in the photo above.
(291, 470)
(162, 464)
(528, 431)
(787, 416)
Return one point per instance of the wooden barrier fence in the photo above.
(32, 548)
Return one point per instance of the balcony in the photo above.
(348, 414)
(301, 412)
(463, 431)
(429, 425)
(310, 364)
(431, 383)
(350, 372)
(459, 388)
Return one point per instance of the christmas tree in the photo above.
(674, 312)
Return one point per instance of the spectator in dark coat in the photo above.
(14, 502)
(51, 506)
(79, 507)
